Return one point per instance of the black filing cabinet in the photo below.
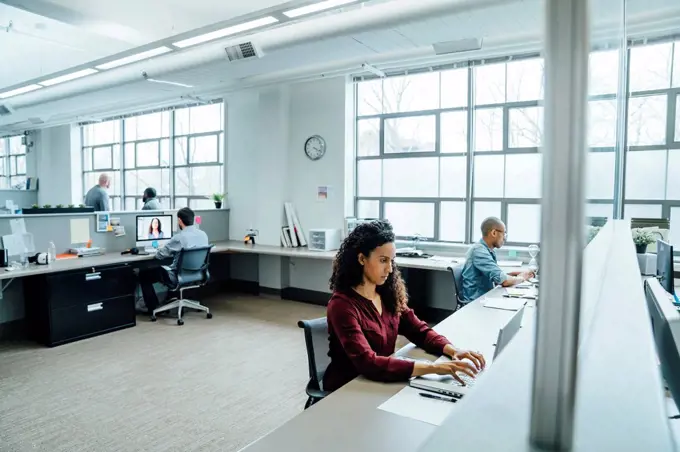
(69, 306)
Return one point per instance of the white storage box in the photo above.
(324, 239)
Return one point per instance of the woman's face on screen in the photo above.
(154, 224)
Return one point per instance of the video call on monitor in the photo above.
(154, 227)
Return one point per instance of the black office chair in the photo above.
(192, 272)
(316, 340)
(457, 274)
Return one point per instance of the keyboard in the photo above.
(469, 381)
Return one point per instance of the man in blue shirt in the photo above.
(190, 236)
(481, 272)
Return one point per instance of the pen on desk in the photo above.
(436, 397)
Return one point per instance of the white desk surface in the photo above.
(229, 246)
(349, 419)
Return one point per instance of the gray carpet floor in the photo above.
(210, 385)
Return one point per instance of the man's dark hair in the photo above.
(489, 225)
(150, 192)
(186, 215)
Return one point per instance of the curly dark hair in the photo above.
(348, 272)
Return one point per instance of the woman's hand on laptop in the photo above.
(453, 368)
(475, 357)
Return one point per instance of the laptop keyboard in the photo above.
(469, 381)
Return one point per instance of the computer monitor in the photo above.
(664, 266)
(153, 231)
(665, 320)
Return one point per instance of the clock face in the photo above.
(315, 147)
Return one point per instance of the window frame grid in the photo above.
(171, 196)
(620, 147)
(470, 110)
(6, 159)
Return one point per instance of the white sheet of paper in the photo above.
(508, 304)
(509, 263)
(18, 226)
(444, 259)
(408, 403)
(521, 292)
(14, 244)
(80, 230)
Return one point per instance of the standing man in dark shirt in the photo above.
(150, 200)
(98, 197)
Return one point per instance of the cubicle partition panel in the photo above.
(57, 228)
(21, 198)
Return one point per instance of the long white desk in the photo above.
(349, 419)
(230, 246)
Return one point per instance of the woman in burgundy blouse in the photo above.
(369, 309)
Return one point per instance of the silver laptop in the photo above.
(447, 385)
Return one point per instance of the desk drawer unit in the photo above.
(68, 306)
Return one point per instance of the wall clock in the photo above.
(315, 147)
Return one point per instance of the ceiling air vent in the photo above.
(243, 51)
(6, 110)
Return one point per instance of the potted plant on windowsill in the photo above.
(642, 238)
(217, 199)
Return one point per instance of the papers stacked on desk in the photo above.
(408, 403)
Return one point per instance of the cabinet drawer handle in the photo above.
(93, 276)
(94, 307)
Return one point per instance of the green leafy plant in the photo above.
(47, 206)
(82, 205)
(218, 197)
(71, 206)
(642, 237)
(59, 206)
(35, 206)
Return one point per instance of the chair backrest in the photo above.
(457, 273)
(316, 340)
(192, 265)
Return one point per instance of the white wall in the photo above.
(266, 166)
(58, 165)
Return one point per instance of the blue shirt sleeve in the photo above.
(170, 249)
(484, 262)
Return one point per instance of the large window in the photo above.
(652, 165)
(12, 163)
(178, 152)
(439, 151)
(435, 156)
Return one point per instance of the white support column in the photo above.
(562, 238)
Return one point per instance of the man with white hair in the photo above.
(98, 197)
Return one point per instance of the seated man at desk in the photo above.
(368, 309)
(481, 272)
(189, 236)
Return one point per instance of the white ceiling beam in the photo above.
(74, 18)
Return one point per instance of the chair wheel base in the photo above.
(180, 322)
(208, 316)
(153, 318)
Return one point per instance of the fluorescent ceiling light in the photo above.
(68, 77)
(316, 7)
(22, 90)
(168, 82)
(226, 32)
(134, 58)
